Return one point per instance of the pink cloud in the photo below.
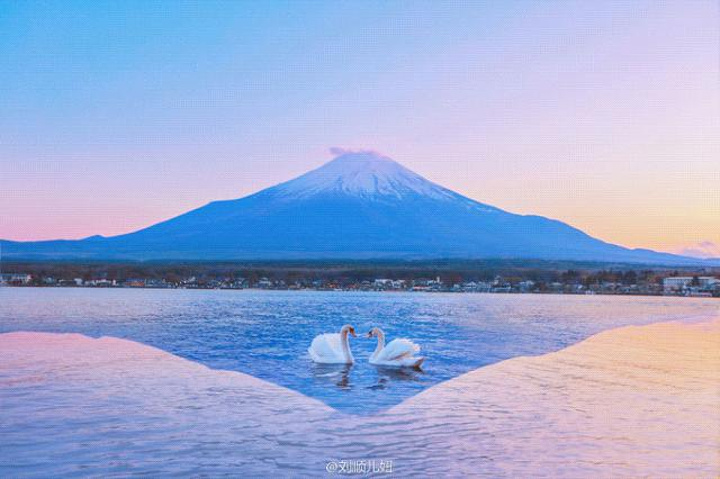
(339, 150)
(703, 249)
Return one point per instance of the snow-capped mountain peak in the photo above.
(365, 174)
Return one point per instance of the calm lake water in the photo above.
(266, 333)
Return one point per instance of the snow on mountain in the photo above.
(371, 176)
(365, 174)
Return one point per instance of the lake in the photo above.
(266, 333)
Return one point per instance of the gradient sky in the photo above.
(605, 115)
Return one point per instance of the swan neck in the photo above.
(345, 344)
(380, 344)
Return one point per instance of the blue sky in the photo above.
(114, 115)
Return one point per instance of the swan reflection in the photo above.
(337, 374)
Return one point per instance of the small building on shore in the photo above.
(15, 278)
(681, 283)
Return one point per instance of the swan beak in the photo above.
(369, 334)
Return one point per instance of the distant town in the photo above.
(451, 277)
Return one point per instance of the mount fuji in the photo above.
(360, 205)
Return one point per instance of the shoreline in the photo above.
(303, 290)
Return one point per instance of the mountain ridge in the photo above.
(360, 205)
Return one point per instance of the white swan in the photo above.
(333, 348)
(399, 353)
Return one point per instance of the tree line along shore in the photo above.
(495, 276)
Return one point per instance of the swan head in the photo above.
(373, 333)
(347, 329)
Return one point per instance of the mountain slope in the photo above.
(358, 206)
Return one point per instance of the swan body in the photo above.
(333, 348)
(398, 353)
